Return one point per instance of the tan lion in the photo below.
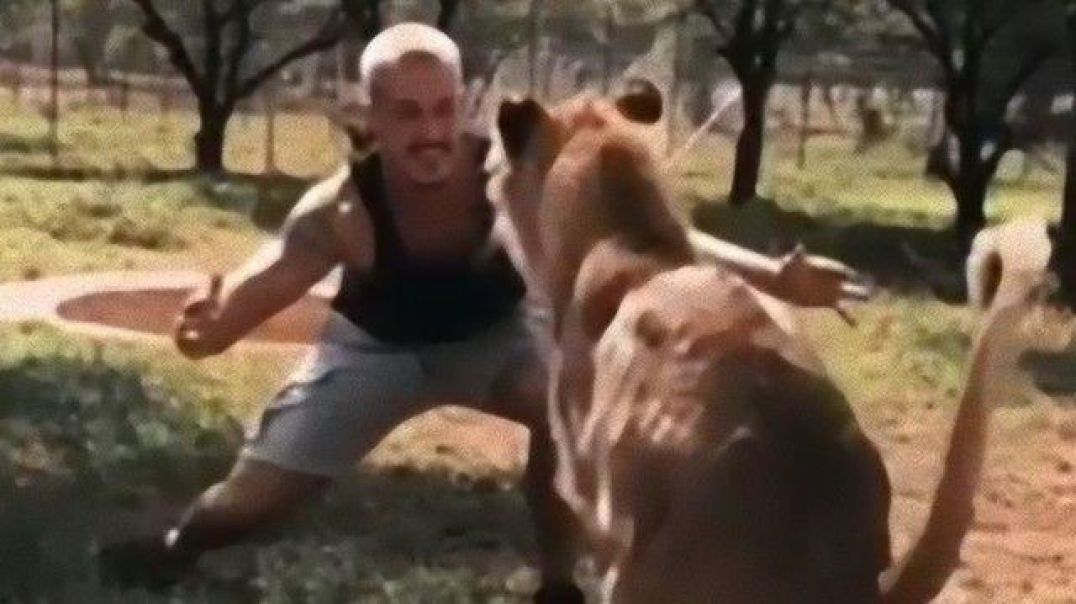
(701, 443)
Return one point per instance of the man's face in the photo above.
(415, 114)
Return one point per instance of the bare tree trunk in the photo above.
(970, 194)
(806, 88)
(969, 183)
(749, 145)
(93, 24)
(1064, 255)
(218, 82)
(209, 140)
(446, 13)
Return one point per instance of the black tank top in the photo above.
(406, 300)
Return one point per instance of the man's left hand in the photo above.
(820, 282)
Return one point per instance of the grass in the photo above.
(120, 200)
(94, 437)
(99, 440)
(883, 184)
(142, 140)
(52, 227)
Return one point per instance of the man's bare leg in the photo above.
(255, 494)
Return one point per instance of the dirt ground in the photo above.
(1023, 545)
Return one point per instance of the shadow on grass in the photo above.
(83, 444)
(13, 143)
(1054, 372)
(266, 198)
(92, 452)
(904, 259)
(880, 251)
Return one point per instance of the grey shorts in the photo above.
(351, 390)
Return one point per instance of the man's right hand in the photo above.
(194, 333)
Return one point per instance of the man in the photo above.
(425, 315)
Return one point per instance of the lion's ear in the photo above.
(640, 102)
(519, 122)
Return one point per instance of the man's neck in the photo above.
(399, 186)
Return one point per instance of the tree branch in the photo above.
(240, 15)
(989, 31)
(365, 15)
(158, 30)
(786, 25)
(327, 37)
(936, 35)
(1027, 69)
(1070, 14)
(944, 34)
(706, 9)
(918, 19)
(211, 59)
(241, 9)
(446, 13)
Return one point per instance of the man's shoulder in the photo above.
(310, 223)
(323, 197)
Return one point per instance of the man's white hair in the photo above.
(395, 42)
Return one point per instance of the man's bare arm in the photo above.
(280, 273)
(796, 278)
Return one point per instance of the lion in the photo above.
(701, 444)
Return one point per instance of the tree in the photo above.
(366, 19)
(367, 16)
(14, 15)
(92, 21)
(960, 34)
(751, 34)
(446, 12)
(1064, 259)
(364, 16)
(222, 78)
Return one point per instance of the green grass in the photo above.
(95, 438)
(123, 196)
(883, 185)
(902, 349)
(88, 434)
(102, 138)
(51, 227)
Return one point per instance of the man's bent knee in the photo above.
(259, 488)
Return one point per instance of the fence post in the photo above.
(54, 85)
(674, 86)
(806, 88)
(270, 126)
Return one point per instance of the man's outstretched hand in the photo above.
(195, 325)
(821, 282)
